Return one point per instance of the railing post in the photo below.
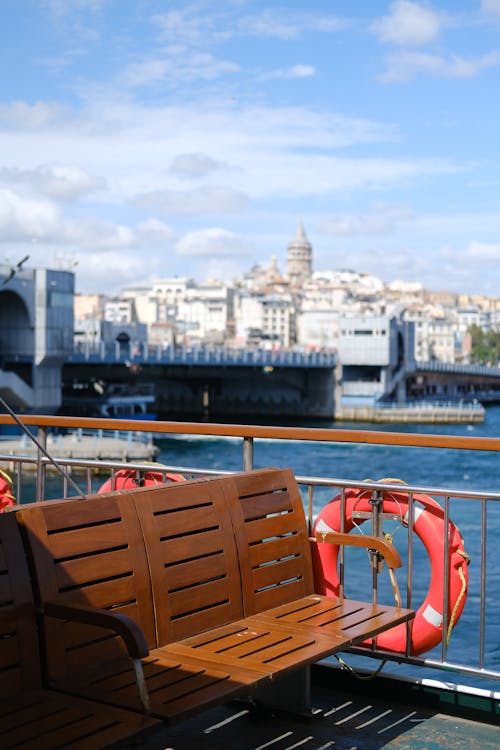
(376, 502)
(247, 453)
(41, 469)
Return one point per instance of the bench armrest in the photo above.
(122, 625)
(386, 549)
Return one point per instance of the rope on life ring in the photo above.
(427, 628)
(129, 479)
(6, 496)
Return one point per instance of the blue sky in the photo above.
(148, 138)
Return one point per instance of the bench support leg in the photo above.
(290, 693)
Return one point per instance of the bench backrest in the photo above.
(88, 553)
(178, 559)
(19, 654)
(272, 538)
(192, 555)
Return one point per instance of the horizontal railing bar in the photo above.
(327, 435)
(301, 479)
(446, 666)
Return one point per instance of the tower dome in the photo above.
(299, 257)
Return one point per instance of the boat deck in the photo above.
(355, 716)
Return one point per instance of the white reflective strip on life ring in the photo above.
(417, 512)
(432, 616)
(322, 526)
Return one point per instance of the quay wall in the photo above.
(425, 414)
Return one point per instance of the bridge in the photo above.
(223, 381)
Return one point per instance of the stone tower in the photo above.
(299, 257)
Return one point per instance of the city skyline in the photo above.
(150, 139)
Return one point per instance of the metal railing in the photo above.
(484, 592)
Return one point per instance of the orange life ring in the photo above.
(6, 496)
(427, 627)
(127, 479)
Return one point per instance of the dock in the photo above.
(425, 413)
(121, 446)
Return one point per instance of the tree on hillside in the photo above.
(485, 346)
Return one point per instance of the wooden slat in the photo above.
(263, 504)
(196, 571)
(183, 548)
(105, 594)
(190, 521)
(268, 598)
(88, 540)
(81, 570)
(199, 598)
(273, 549)
(272, 526)
(186, 625)
(276, 572)
(67, 514)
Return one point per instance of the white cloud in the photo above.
(188, 166)
(24, 219)
(155, 231)
(214, 242)
(177, 67)
(202, 200)
(189, 26)
(482, 251)
(107, 272)
(408, 23)
(285, 25)
(23, 116)
(61, 182)
(491, 7)
(405, 65)
(295, 71)
(382, 220)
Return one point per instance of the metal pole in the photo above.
(41, 449)
(247, 453)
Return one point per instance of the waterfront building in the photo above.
(205, 313)
(375, 352)
(120, 310)
(36, 324)
(318, 327)
(268, 319)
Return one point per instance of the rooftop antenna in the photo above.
(42, 449)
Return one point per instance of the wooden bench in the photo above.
(32, 717)
(209, 576)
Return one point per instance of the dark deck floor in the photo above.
(356, 716)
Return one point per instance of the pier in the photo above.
(94, 445)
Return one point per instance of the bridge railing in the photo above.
(201, 355)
